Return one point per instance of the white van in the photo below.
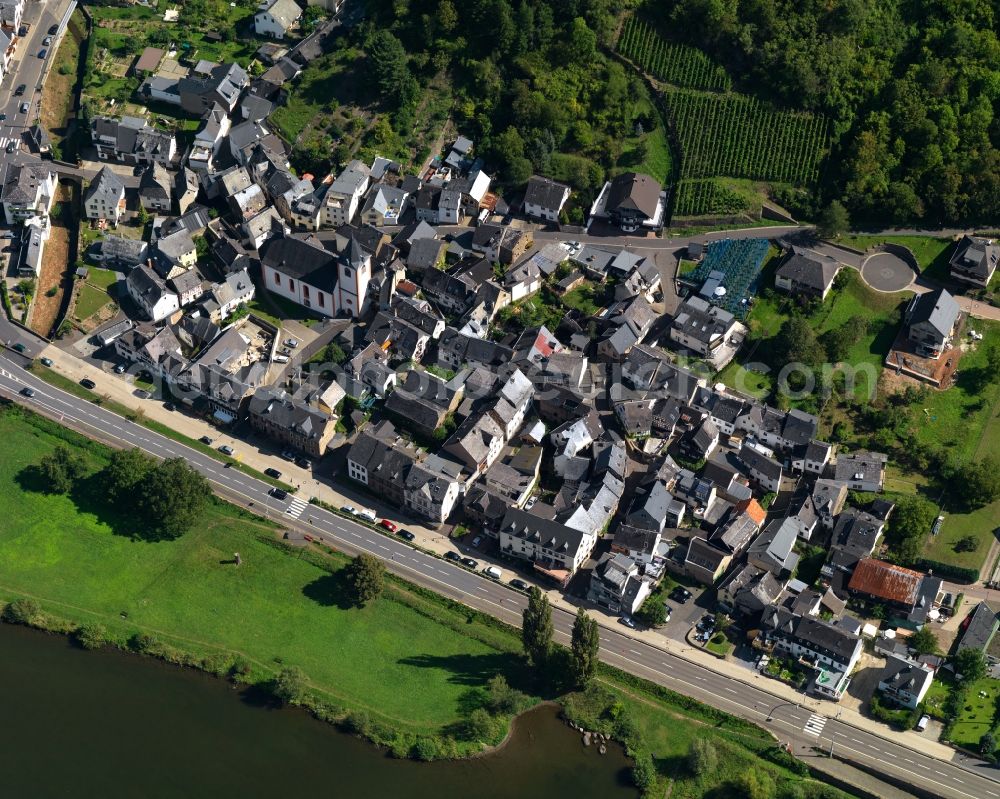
(368, 515)
(493, 572)
(924, 721)
(280, 359)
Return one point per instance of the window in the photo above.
(277, 279)
(305, 292)
(319, 298)
(347, 272)
(291, 284)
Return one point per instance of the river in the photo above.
(105, 724)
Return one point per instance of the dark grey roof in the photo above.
(633, 191)
(759, 462)
(811, 269)
(703, 554)
(980, 627)
(936, 308)
(107, 185)
(817, 635)
(545, 192)
(424, 253)
(282, 411)
(544, 532)
(304, 260)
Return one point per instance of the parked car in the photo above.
(53, 29)
(88, 383)
(368, 515)
(270, 471)
(304, 462)
(278, 493)
(280, 359)
(19, 347)
(924, 721)
(530, 503)
(454, 557)
(937, 525)
(288, 455)
(348, 509)
(28, 392)
(225, 449)
(206, 440)
(680, 595)
(477, 541)
(47, 41)
(291, 343)
(627, 621)
(388, 525)
(519, 585)
(493, 572)
(42, 53)
(24, 108)
(169, 406)
(46, 362)
(470, 563)
(141, 393)
(120, 368)
(406, 535)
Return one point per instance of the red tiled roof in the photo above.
(886, 581)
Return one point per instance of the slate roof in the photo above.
(303, 260)
(937, 308)
(633, 191)
(811, 269)
(282, 411)
(106, 185)
(979, 628)
(545, 192)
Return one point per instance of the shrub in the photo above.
(702, 757)
(22, 611)
(479, 726)
(146, 644)
(290, 685)
(644, 772)
(357, 722)
(239, 671)
(426, 748)
(91, 636)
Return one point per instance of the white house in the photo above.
(151, 294)
(105, 197)
(556, 550)
(904, 681)
(544, 198)
(342, 198)
(27, 191)
(275, 18)
(10, 15)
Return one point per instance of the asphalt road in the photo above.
(790, 722)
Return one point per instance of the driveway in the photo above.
(886, 272)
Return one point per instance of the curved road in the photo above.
(788, 721)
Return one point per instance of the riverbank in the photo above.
(409, 672)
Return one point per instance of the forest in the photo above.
(911, 88)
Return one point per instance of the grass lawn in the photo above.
(937, 695)
(978, 716)
(931, 253)
(102, 278)
(649, 153)
(722, 648)
(582, 298)
(746, 381)
(90, 300)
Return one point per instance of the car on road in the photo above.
(205, 440)
(627, 621)
(225, 449)
(303, 462)
(519, 585)
(270, 471)
(28, 392)
(24, 108)
(88, 383)
(120, 368)
(406, 535)
(42, 53)
(278, 493)
(20, 90)
(46, 362)
(477, 541)
(3, 117)
(454, 557)
(53, 29)
(469, 563)
(19, 347)
(47, 41)
(388, 525)
(348, 509)
(11, 146)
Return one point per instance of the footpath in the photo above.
(326, 488)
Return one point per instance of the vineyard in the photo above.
(672, 63)
(706, 197)
(734, 135)
(739, 261)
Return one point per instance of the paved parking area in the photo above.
(886, 272)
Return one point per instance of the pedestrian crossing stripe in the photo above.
(815, 725)
(295, 507)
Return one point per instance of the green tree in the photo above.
(93, 635)
(334, 353)
(501, 699)
(289, 686)
(652, 613)
(585, 647)
(966, 543)
(479, 726)
(833, 220)
(910, 524)
(644, 772)
(366, 574)
(756, 784)
(977, 483)
(987, 744)
(127, 469)
(60, 469)
(582, 42)
(702, 757)
(536, 628)
(172, 497)
(22, 611)
(970, 663)
(924, 642)
(796, 342)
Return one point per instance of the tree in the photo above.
(334, 353)
(966, 544)
(644, 772)
(501, 699)
(970, 664)
(60, 470)
(366, 574)
(652, 613)
(389, 67)
(22, 611)
(172, 497)
(924, 642)
(909, 526)
(127, 469)
(833, 221)
(977, 483)
(290, 685)
(92, 636)
(479, 726)
(987, 744)
(585, 647)
(756, 784)
(536, 628)
(702, 757)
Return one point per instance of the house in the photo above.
(905, 591)
(384, 205)
(617, 585)
(131, 140)
(209, 138)
(148, 61)
(236, 290)
(905, 682)
(275, 18)
(290, 422)
(117, 252)
(340, 203)
(380, 458)
(158, 351)
(699, 442)
(305, 272)
(104, 199)
(151, 294)
(214, 84)
(631, 201)
(832, 650)
(774, 549)
(477, 443)
(187, 286)
(749, 590)
(186, 188)
(176, 251)
(27, 191)
(156, 189)
(974, 260)
(930, 322)
(812, 458)
(701, 327)
(10, 15)
(555, 550)
(861, 471)
(544, 198)
(761, 467)
(978, 629)
(432, 488)
(806, 273)
(704, 562)
(855, 535)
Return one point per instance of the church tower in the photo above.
(352, 282)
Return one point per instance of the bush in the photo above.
(146, 644)
(91, 636)
(22, 611)
(644, 772)
(702, 757)
(479, 726)
(290, 685)
(426, 748)
(357, 722)
(240, 670)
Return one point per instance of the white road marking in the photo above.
(815, 725)
(295, 507)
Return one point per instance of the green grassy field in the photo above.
(977, 716)
(931, 253)
(89, 301)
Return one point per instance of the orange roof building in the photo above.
(886, 581)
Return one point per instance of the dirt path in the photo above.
(55, 261)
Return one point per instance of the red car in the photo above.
(388, 525)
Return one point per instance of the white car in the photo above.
(368, 515)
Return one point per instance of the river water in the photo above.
(105, 724)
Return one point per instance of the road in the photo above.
(790, 722)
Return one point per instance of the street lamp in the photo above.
(770, 713)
